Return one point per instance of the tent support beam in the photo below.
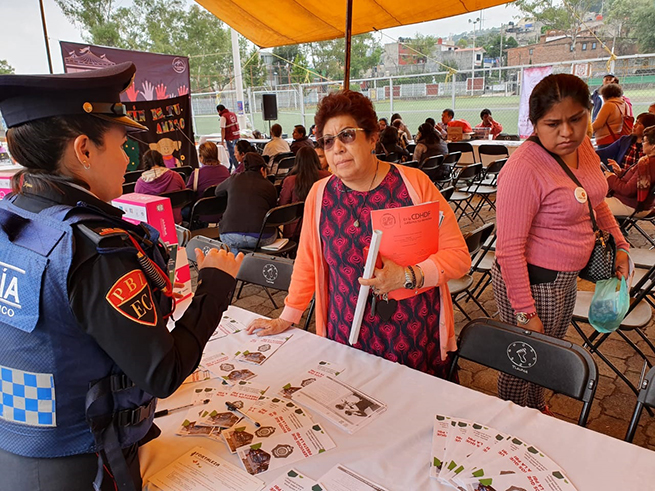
(349, 29)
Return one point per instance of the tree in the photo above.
(6, 68)
(635, 18)
(420, 43)
(463, 43)
(565, 17)
(328, 57)
(254, 70)
(492, 49)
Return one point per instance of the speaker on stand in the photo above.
(269, 108)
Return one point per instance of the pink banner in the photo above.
(531, 77)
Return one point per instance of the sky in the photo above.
(23, 47)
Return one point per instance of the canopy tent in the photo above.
(270, 23)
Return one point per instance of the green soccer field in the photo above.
(505, 110)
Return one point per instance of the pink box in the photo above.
(5, 181)
(154, 210)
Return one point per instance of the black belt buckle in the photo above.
(120, 381)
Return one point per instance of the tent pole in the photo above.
(45, 35)
(349, 29)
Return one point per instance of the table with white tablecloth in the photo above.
(510, 145)
(394, 450)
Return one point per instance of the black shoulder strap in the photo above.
(569, 172)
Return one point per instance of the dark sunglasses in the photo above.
(346, 136)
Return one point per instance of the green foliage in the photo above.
(254, 73)
(636, 19)
(423, 44)
(328, 56)
(6, 68)
(560, 16)
(463, 43)
(492, 47)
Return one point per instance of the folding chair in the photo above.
(506, 137)
(204, 244)
(277, 218)
(183, 235)
(465, 178)
(265, 271)
(463, 148)
(486, 191)
(431, 167)
(284, 166)
(181, 198)
(131, 177)
(482, 263)
(205, 210)
(646, 398)
(461, 286)
(275, 160)
(638, 316)
(444, 176)
(410, 148)
(184, 170)
(543, 360)
(447, 192)
(494, 151)
(411, 163)
(210, 191)
(128, 187)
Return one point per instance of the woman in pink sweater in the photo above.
(545, 236)
(415, 326)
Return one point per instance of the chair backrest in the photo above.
(133, 176)
(469, 173)
(646, 398)
(210, 191)
(463, 148)
(279, 156)
(184, 170)
(490, 152)
(183, 235)
(181, 198)
(479, 236)
(412, 163)
(204, 244)
(452, 158)
(411, 147)
(495, 167)
(432, 162)
(506, 137)
(447, 192)
(264, 270)
(213, 205)
(128, 187)
(280, 216)
(391, 157)
(284, 165)
(550, 362)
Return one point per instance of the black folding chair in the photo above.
(493, 151)
(133, 176)
(205, 244)
(447, 192)
(181, 198)
(128, 187)
(431, 167)
(275, 160)
(411, 163)
(184, 170)
(284, 166)
(452, 158)
(210, 191)
(265, 271)
(549, 362)
(463, 148)
(646, 398)
(410, 148)
(203, 210)
(277, 218)
(486, 189)
(461, 287)
(183, 235)
(465, 178)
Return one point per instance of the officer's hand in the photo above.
(219, 259)
(266, 327)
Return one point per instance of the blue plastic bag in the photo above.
(608, 306)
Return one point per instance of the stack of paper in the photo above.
(471, 456)
(339, 478)
(345, 406)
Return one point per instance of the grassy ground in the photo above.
(414, 112)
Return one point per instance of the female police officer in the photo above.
(84, 300)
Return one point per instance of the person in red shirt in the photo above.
(230, 132)
(488, 122)
(448, 119)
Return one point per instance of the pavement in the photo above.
(614, 402)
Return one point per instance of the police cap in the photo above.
(25, 98)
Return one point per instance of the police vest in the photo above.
(61, 393)
(231, 126)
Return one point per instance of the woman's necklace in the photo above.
(356, 223)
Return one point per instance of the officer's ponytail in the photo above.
(39, 146)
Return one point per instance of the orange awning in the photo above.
(269, 23)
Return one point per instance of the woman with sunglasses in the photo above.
(418, 331)
(86, 298)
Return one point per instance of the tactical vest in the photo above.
(231, 125)
(61, 394)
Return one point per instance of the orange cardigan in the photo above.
(310, 269)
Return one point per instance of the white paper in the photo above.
(299, 381)
(534, 481)
(369, 268)
(345, 406)
(228, 325)
(440, 432)
(227, 368)
(201, 470)
(259, 349)
(292, 480)
(340, 478)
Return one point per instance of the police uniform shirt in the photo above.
(114, 304)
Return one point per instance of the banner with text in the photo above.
(531, 77)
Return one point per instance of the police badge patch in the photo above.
(132, 297)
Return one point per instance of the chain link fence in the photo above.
(417, 97)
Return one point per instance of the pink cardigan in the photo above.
(310, 270)
(539, 220)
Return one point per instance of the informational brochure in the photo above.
(410, 234)
(227, 368)
(259, 349)
(440, 432)
(292, 480)
(280, 450)
(466, 439)
(216, 412)
(345, 406)
(190, 427)
(299, 381)
(532, 481)
(200, 374)
(228, 325)
(201, 470)
(340, 478)
(476, 459)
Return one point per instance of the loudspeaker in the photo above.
(269, 106)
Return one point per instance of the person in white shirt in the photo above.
(277, 144)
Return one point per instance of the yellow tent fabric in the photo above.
(269, 23)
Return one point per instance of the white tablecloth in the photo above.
(510, 145)
(394, 450)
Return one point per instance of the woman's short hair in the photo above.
(647, 119)
(350, 103)
(244, 146)
(649, 134)
(152, 158)
(253, 161)
(610, 90)
(554, 89)
(208, 151)
(389, 136)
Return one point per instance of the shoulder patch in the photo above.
(132, 297)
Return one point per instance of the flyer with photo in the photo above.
(225, 367)
(201, 470)
(190, 427)
(322, 369)
(477, 458)
(228, 325)
(292, 480)
(342, 404)
(216, 412)
(200, 374)
(259, 349)
(280, 450)
(340, 478)
(440, 432)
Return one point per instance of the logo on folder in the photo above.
(132, 297)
